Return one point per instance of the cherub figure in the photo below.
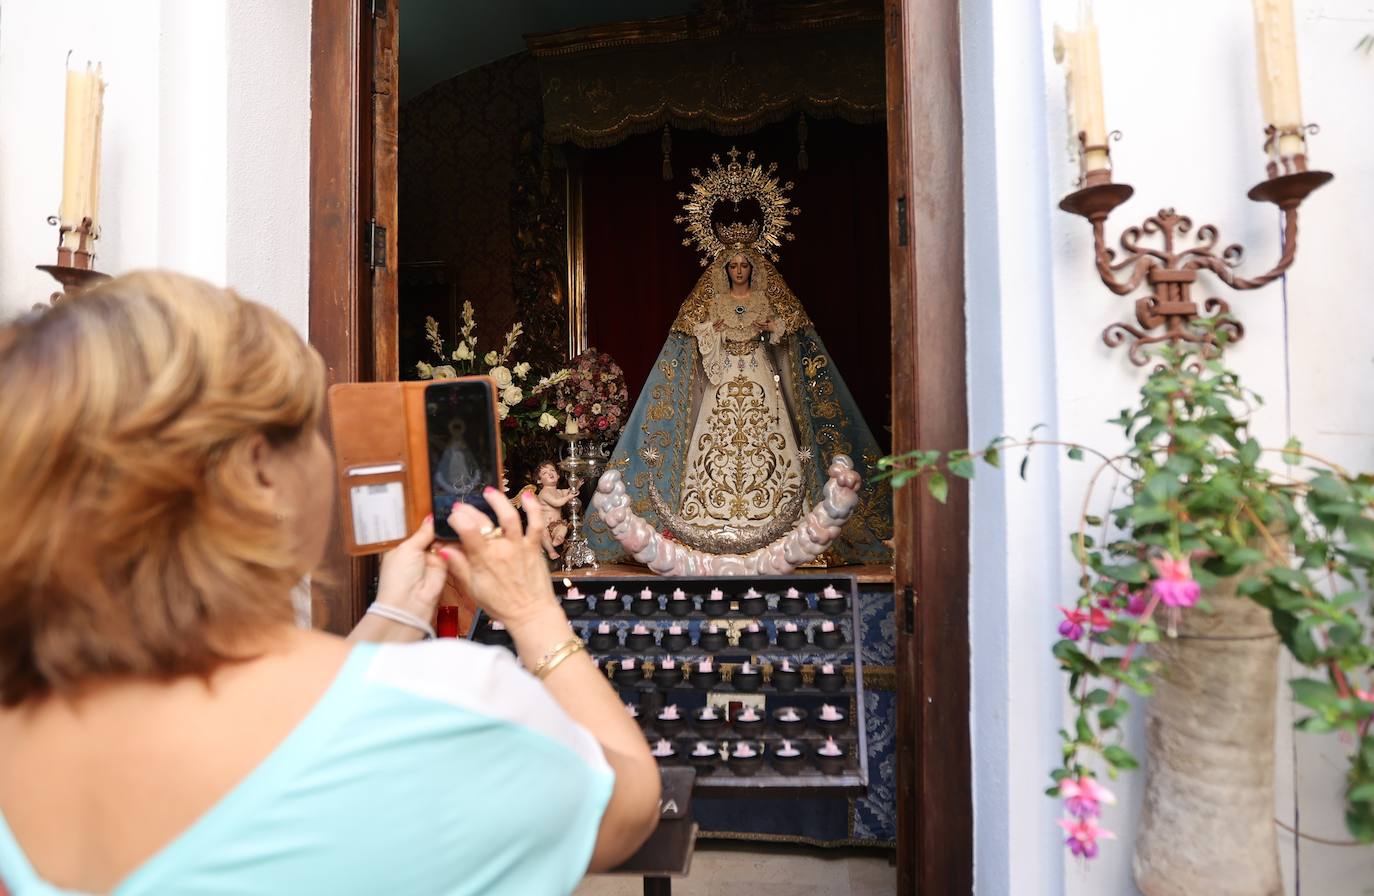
(554, 500)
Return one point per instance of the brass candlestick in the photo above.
(582, 464)
(1171, 270)
(75, 268)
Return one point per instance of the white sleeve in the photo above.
(486, 681)
(712, 348)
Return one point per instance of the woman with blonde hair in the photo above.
(165, 726)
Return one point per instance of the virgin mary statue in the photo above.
(729, 441)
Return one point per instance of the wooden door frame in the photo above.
(340, 288)
(929, 410)
(925, 176)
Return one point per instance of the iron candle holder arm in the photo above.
(1169, 313)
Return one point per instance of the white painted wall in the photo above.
(1180, 84)
(205, 142)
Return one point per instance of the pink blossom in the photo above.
(1083, 836)
(1175, 586)
(1072, 626)
(1366, 696)
(1076, 622)
(1083, 797)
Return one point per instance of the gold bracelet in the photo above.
(556, 655)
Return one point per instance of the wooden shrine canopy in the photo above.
(729, 68)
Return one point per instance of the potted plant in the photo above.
(1216, 550)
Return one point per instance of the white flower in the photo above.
(424, 371)
(491, 359)
(596, 408)
(547, 421)
(444, 372)
(502, 411)
(512, 396)
(501, 375)
(522, 369)
(464, 352)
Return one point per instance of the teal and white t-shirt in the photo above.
(440, 767)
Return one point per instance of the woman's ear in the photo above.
(266, 465)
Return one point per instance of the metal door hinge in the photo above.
(901, 220)
(909, 610)
(378, 8)
(376, 244)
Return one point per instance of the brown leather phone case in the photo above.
(382, 458)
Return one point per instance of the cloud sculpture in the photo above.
(807, 540)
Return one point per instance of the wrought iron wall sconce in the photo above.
(1169, 313)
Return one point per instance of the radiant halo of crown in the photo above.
(736, 182)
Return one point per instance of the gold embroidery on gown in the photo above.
(742, 461)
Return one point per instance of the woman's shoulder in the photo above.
(464, 683)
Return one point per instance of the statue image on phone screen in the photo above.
(460, 425)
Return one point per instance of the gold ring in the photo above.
(491, 532)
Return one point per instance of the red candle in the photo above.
(447, 626)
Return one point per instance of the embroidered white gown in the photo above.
(742, 460)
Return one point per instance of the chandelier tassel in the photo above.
(667, 144)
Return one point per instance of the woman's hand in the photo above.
(412, 578)
(767, 326)
(506, 574)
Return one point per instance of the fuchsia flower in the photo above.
(1175, 586)
(1076, 622)
(1366, 696)
(1083, 836)
(1083, 797)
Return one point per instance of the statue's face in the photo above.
(739, 270)
(548, 476)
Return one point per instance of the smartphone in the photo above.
(464, 447)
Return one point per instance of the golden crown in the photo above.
(737, 236)
(735, 182)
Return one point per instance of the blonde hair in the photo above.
(136, 541)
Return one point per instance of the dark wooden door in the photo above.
(926, 245)
(353, 128)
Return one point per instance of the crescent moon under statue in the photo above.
(808, 539)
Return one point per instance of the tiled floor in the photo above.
(724, 868)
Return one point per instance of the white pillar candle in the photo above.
(1079, 51)
(1276, 54)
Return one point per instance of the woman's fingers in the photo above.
(468, 522)
(534, 519)
(506, 517)
(421, 538)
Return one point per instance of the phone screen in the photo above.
(460, 424)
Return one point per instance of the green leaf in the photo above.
(1290, 452)
(992, 457)
(1025, 464)
(1119, 757)
(938, 486)
(962, 467)
(1364, 793)
(1250, 453)
(1312, 693)
(1075, 453)
(1359, 820)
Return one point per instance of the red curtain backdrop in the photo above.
(638, 272)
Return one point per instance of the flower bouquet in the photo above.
(522, 407)
(593, 396)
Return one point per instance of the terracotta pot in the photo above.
(1208, 821)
